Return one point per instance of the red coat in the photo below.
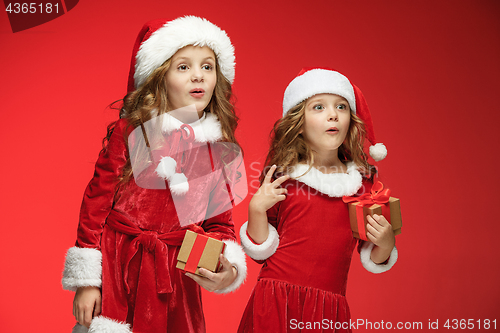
(302, 283)
(138, 232)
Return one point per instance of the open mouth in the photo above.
(332, 130)
(197, 92)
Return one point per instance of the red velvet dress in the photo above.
(303, 284)
(138, 232)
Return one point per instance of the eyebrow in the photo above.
(313, 100)
(187, 58)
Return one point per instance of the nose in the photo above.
(332, 114)
(197, 75)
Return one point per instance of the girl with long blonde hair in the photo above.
(298, 224)
(160, 173)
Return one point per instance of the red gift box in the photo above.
(379, 202)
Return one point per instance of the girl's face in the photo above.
(326, 122)
(191, 77)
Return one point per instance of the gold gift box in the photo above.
(395, 211)
(209, 258)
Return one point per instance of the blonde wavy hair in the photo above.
(137, 107)
(289, 148)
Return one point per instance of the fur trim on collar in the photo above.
(331, 184)
(206, 129)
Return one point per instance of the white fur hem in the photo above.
(83, 268)
(102, 324)
(235, 255)
(260, 251)
(369, 265)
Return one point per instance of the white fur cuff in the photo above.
(83, 268)
(369, 265)
(235, 255)
(260, 251)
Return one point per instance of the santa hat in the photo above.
(313, 81)
(158, 41)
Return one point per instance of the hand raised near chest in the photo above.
(269, 193)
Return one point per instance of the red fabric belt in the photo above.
(153, 243)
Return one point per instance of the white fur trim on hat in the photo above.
(378, 151)
(83, 268)
(260, 251)
(318, 81)
(102, 324)
(235, 255)
(332, 184)
(369, 265)
(166, 167)
(174, 35)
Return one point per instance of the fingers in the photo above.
(372, 223)
(214, 281)
(87, 304)
(195, 277)
(380, 219)
(281, 197)
(87, 317)
(207, 274)
(204, 282)
(269, 175)
(379, 231)
(225, 263)
(98, 307)
(280, 180)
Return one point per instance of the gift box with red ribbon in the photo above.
(199, 251)
(378, 201)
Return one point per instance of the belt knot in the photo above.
(148, 239)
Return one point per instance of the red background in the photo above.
(428, 69)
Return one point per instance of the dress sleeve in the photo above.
(83, 261)
(221, 221)
(260, 252)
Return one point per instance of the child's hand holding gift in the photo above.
(380, 233)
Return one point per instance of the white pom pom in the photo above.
(178, 184)
(378, 151)
(166, 167)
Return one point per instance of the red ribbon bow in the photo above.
(378, 195)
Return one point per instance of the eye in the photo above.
(182, 67)
(342, 107)
(207, 67)
(318, 107)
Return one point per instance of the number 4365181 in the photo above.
(470, 324)
(32, 8)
